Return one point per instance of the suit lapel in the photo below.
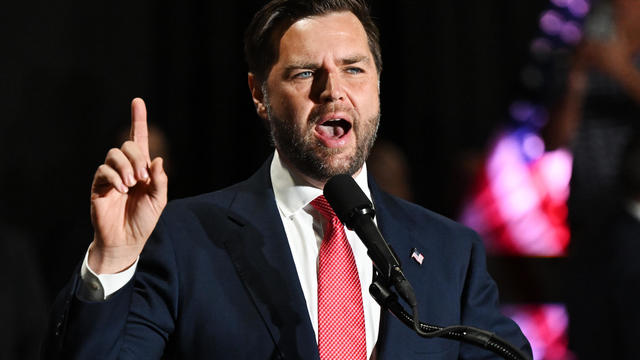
(397, 231)
(396, 341)
(262, 257)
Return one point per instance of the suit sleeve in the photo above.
(480, 307)
(134, 323)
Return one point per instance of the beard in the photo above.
(311, 157)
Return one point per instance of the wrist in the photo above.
(111, 260)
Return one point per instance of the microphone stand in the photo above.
(478, 337)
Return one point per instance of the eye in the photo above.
(354, 70)
(303, 74)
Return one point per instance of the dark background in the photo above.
(69, 69)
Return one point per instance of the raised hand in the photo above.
(128, 194)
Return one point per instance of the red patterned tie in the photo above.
(341, 332)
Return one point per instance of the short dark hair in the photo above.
(270, 22)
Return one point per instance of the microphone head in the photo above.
(346, 198)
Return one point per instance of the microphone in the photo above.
(354, 209)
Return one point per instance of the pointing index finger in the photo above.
(139, 133)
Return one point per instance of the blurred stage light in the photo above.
(571, 33)
(551, 22)
(545, 326)
(518, 201)
(579, 8)
(518, 204)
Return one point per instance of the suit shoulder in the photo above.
(208, 209)
(425, 220)
(219, 199)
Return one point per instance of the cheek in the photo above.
(296, 106)
(367, 101)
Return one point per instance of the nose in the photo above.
(331, 87)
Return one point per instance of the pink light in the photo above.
(545, 326)
(520, 201)
(508, 180)
(571, 33)
(518, 206)
(551, 22)
(560, 3)
(473, 217)
(578, 8)
(533, 146)
(505, 152)
(555, 173)
(530, 231)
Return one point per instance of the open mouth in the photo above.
(334, 128)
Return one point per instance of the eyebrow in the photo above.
(300, 65)
(355, 59)
(312, 65)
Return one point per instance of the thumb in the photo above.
(159, 181)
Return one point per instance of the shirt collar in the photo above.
(293, 194)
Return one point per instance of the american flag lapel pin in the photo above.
(417, 256)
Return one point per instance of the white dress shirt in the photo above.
(303, 226)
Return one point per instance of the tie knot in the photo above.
(321, 204)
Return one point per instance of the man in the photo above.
(248, 272)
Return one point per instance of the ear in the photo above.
(257, 95)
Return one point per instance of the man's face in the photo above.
(321, 97)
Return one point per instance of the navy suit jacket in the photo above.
(217, 280)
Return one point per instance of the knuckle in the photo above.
(128, 143)
(105, 172)
(132, 151)
(163, 179)
(140, 162)
(128, 146)
(112, 153)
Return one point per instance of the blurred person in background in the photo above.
(621, 266)
(389, 167)
(596, 117)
